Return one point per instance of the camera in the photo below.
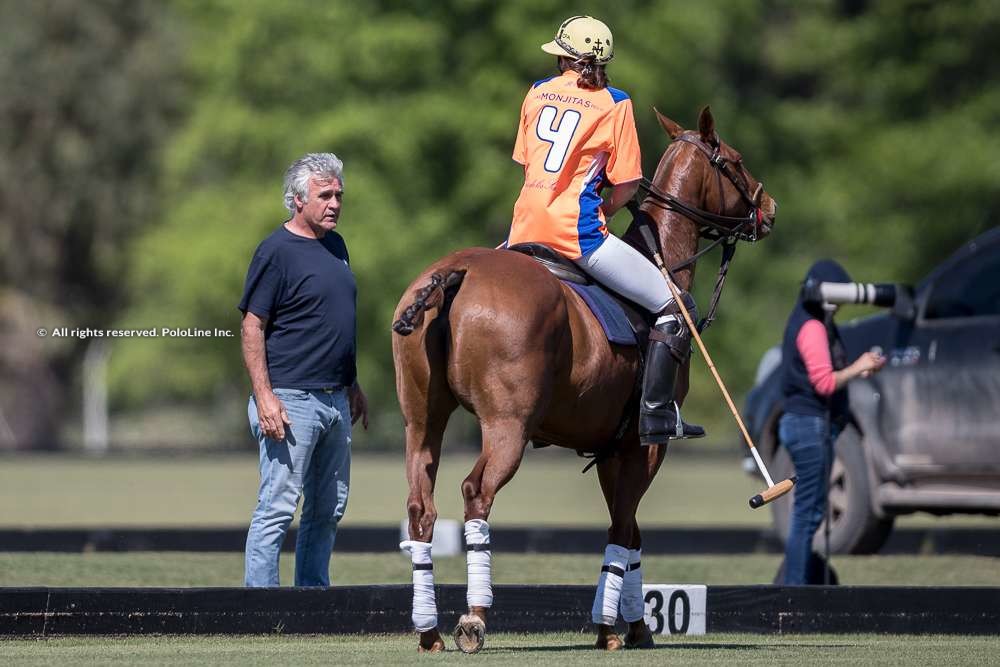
(885, 295)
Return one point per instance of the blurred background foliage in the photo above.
(143, 146)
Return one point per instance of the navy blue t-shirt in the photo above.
(306, 290)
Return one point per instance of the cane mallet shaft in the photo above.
(773, 491)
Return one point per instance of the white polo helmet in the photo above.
(582, 36)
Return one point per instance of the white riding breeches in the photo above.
(623, 269)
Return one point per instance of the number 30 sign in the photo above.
(675, 609)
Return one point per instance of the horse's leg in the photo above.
(632, 605)
(423, 451)
(504, 441)
(620, 585)
(426, 403)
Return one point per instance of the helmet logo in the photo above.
(580, 36)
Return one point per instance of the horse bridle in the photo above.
(723, 230)
(715, 225)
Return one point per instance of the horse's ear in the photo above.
(670, 127)
(706, 125)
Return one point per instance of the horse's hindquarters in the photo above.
(587, 409)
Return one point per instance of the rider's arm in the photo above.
(624, 168)
(619, 196)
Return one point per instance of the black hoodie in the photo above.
(800, 397)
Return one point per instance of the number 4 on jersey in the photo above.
(558, 135)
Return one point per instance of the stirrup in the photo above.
(679, 431)
(684, 431)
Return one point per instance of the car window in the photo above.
(970, 289)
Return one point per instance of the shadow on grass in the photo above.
(659, 647)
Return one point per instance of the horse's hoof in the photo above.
(639, 638)
(430, 642)
(609, 642)
(470, 633)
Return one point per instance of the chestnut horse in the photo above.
(493, 331)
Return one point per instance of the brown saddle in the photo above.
(557, 265)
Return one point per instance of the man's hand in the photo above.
(359, 405)
(271, 415)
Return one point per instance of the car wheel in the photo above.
(855, 528)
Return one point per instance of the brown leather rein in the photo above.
(711, 225)
(721, 229)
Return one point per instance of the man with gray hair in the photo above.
(298, 337)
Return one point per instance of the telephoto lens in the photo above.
(875, 294)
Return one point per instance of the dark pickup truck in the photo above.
(925, 435)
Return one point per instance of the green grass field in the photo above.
(192, 569)
(540, 649)
(48, 491)
(61, 491)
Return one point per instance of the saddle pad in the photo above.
(607, 311)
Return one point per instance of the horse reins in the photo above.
(713, 225)
(724, 230)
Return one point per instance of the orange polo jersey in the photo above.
(572, 141)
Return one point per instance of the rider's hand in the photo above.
(272, 416)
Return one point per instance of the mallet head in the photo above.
(772, 493)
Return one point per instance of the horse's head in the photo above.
(701, 170)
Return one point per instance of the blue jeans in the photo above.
(314, 459)
(806, 439)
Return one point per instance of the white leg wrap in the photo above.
(478, 560)
(609, 585)
(633, 605)
(424, 605)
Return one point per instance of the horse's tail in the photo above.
(438, 293)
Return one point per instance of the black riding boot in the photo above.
(659, 415)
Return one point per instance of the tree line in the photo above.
(144, 144)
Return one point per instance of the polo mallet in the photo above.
(773, 491)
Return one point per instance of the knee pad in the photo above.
(673, 330)
(673, 309)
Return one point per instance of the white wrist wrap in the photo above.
(633, 604)
(424, 605)
(609, 585)
(478, 561)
